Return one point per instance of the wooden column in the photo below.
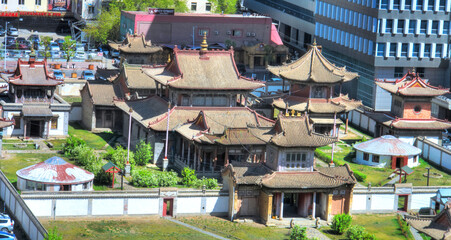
(195, 159)
(24, 128)
(183, 150)
(314, 205)
(215, 159)
(204, 160)
(328, 206)
(347, 120)
(281, 206)
(189, 153)
(226, 157)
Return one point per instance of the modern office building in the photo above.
(379, 39)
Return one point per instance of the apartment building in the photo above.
(383, 39)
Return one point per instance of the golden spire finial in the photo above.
(292, 112)
(204, 45)
(413, 70)
(314, 41)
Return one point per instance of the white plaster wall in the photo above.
(356, 118)
(446, 160)
(200, 6)
(77, 187)
(372, 126)
(188, 205)
(59, 131)
(425, 150)
(410, 162)
(433, 139)
(21, 183)
(382, 202)
(364, 122)
(217, 204)
(40, 208)
(71, 207)
(143, 206)
(358, 202)
(70, 89)
(420, 200)
(434, 155)
(407, 139)
(383, 160)
(11, 130)
(75, 114)
(107, 206)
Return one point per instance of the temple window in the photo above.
(417, 109)
(319, 92)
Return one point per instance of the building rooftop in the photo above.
(388, 146)
(135, 44)
(33, 73)
(313, 68)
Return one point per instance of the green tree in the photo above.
(189, 177)
(118, 156)
(53, 235)
(225, 6)
(298, 233)
(341, 222)
(143, 153)
(107, 25)
(68, 48)
(46, 40)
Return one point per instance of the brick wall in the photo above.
(410, 113)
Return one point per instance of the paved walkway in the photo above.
(196, 229)
(314, 233)
(415, 234)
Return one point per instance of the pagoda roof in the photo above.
(135, 78)
(293, 132)
(317, 105)
(203, 70)
(227, 126)
(33, 73)
(388, 120)
(313, 68)
(135, 44)
(411, 84)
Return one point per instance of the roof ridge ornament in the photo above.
(204, 44)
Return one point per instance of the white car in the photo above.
(88, 75)
(54, 47)
(13, 32)
(80, 55)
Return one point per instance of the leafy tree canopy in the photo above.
(107, 25)
(225, 6)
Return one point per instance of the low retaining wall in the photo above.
(20, 211)
(434, 153)
(385, 199)
(186, 202)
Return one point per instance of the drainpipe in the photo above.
(233, 204)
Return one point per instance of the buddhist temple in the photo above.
(32, 102)
(410, 114)
(288, 184)
(313, 81)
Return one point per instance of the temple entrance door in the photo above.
(168, 207)
(108, 119)
(402, 202)
(290, 205)
(35, 128)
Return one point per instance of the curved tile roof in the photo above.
(387, 146)
(55, 171)
(313, 67)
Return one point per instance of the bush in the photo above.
(189, 177)
(143, 153)
(356, 232)
(84, 155)
(403, 226)
(118, 156)
(298, 233)
(341, 222)
(70, 144)
(210, 183)
(150, 178)
(361, 177)
(322, 156)
(53, 235)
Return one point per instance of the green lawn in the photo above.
(93, 140)
(130, 228)
(14, 147)
(233, 230)
(57, 143)
(16, 161)
(383, 226)
(379, 176)
(72, 99)
(13, 140)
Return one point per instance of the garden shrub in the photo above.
(84, 155)
(322, 156)
(53, 234)
(361, 177)
(150, 178)
(341, 222)
(403, 226)
(118, 156)
(189, 177)
(357, 232)
(70, 144)
(209, 183)
(298, 233)
(143, 153)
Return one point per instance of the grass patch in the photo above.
(57, 143)
(14, 147)
(130, 228)
(72, 99)
(16, 161)
(93, 140)
(379, 176)
(233, 230)
(374, 224)
(13, 141)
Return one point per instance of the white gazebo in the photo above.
(387, 151)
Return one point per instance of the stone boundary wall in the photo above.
(20, 210)
(131, 203)
(434, 153)
(385, 199)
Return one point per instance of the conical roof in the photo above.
(387, 146)
(55, 171)
(313, 67)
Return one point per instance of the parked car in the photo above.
(10, 40)
(80, 55)
(5, 235)
(34, 38)
(22, 40)
(54, 47)
(59, 41)
(58, 74)
(88, 75)
(55, 54)
(2, 30)
(13, 31)
(6, 223)
(79, 47)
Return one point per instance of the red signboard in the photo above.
(161, 11)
